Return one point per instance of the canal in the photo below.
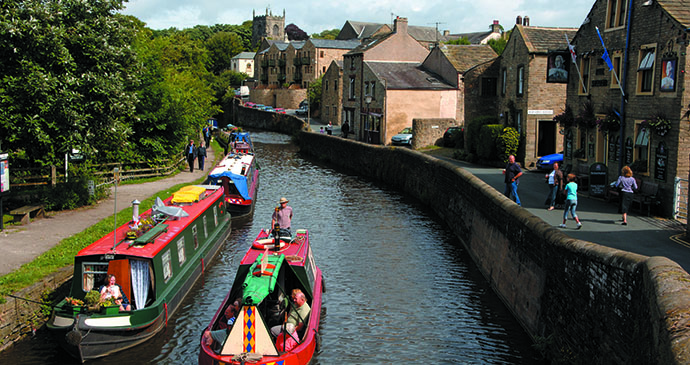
(400, 287)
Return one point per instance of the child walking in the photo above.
(571, 201)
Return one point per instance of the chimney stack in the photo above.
(400, 25)
(446, 33)
(525, 21)
(518, 20)
(495, 27)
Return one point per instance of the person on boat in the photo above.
(201, 155)
(297, 314)
(283, 216)
(228, 318)
(217, 337)
(190, 154)
(113, 290)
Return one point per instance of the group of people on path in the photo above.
(563, 190)
(192, 152)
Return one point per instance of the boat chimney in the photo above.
(135, 211)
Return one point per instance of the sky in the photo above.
(457, 16)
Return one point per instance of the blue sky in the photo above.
(459, 16)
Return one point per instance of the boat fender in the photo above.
(73, 337)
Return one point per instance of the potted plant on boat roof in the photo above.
(75, 304)
(658, 123)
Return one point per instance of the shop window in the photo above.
(641, 153)
(645, 70)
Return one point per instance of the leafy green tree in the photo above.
(327, 34)
(498, 45)
(68, 78)
(459, 41)
(314, 94)
(222, 47)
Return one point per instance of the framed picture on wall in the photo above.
(668, 74)
(557, 70)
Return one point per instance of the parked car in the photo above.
(404, 138)
(546, 162)
(269, 109)
(452, 137)
(303, 110)
(280, 110)
(304, 102)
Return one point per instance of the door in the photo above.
(547, 138)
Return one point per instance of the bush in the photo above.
(487, 148)
(472, 129)
(507, 143)
(72, 194)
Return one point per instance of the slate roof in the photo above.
(474, 38)
(678, 9)
(334, 43)
(544, 39)
(245, 55)
(420, 34)
(297, 44)
(464, 57)
(370, 43)
(407, 76)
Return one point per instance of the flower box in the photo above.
(111, 309)
(76, 309)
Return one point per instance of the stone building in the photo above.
(452, 63)
(426, 36)
(243, 62)
(332, 94)
(495, 32)
(532, 87)
(647, 94)
(267, 26)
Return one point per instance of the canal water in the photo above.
(400, 287)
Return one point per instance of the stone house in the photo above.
(332, 93)
(532, 87)
(494, 32)
(647, 93)
(243, 62)
(452, 63)
(397, 46)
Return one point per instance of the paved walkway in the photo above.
(21, 244)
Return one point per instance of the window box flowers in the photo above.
(659, 124)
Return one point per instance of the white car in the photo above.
(404, 138)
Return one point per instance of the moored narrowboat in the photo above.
(277, 281)
(238, 173)
(156, 258)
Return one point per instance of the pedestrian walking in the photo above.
(207, 135)
(555, 181)
(627, 184)
(571, 201)
(190, 153)
(512, 174)
(329, 128)
(201, 155)
(345, 129)
(321, 130)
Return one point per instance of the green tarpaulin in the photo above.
(257, 287)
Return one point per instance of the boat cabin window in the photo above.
(180, 251)
(167, 266)
(215, 215)
(196, 239)
(205, 231)
(94, 275)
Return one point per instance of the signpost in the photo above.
(4, 184)
(598, 179)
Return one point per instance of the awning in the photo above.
(239, 181)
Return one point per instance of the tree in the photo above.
(314, 94)
(498, 45)
(459, 41)
(68, 78)
(222, 47)
(294, 33)
(327, 34)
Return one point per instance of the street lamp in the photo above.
(367, 100)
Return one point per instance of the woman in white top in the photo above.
(112, 290)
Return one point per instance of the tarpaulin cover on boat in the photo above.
(239, 181)
(188, 194)
(243, 136)
(261, 281)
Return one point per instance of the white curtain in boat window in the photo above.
(140, 282)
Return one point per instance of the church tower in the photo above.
(268, 26)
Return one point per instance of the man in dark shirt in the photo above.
(190, 154)
(512, 174)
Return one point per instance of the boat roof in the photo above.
(232, 164)
(174, 224)
(298, 248)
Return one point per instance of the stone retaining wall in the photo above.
(585, 302)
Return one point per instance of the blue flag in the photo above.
(605, 56)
